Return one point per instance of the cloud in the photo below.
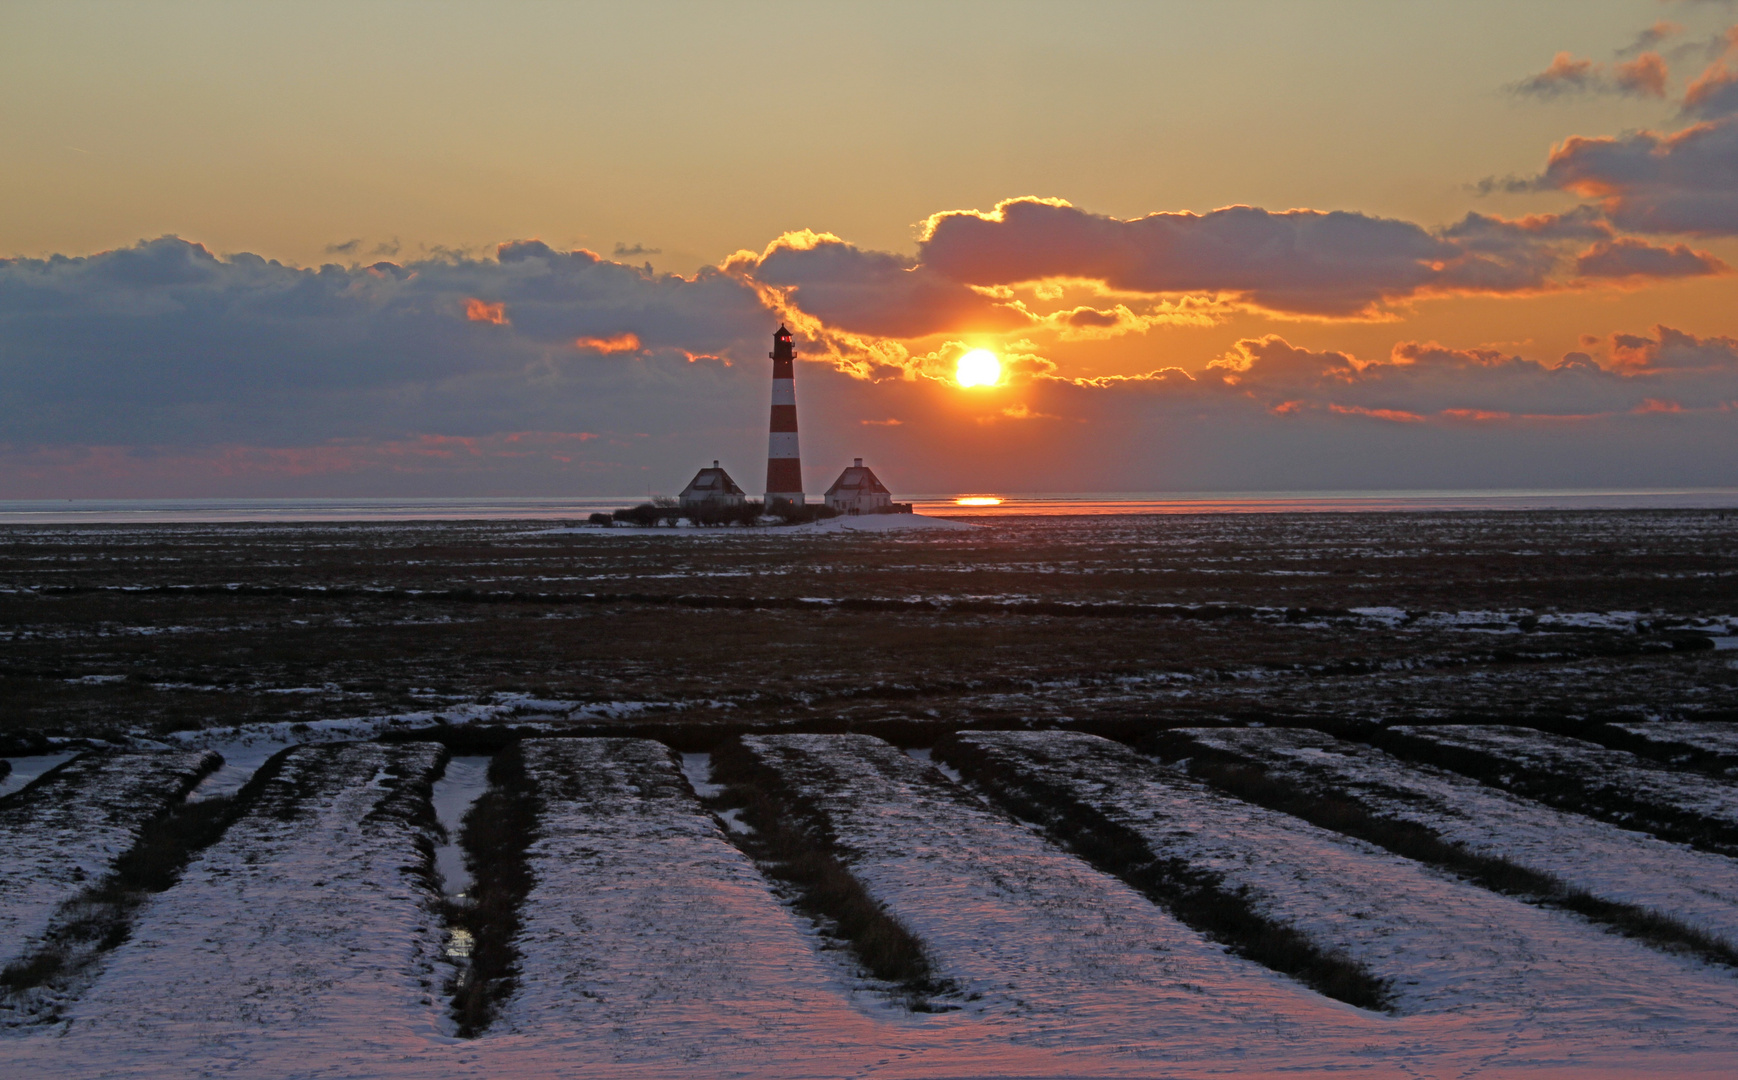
(1714, 93)
(618, 343)
(165, 343)
(1420, 381)
(623, 251)
(165, 369)
(1297, 262)
(1276, 414)
(1652, 38)
(1300, 261)
(482, 311)
(1652, 183)
(1088, 323)
(1644, 76)
(874, 292)
(1565, 75)
(1631, 258)
(1669, 350)
(353, 246)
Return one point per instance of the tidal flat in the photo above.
(1118, 796)
(1111, 624)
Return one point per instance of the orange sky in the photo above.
(842, 168)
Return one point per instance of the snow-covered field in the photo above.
(1698, 888)
(649, 938)
(306, 926)
(306, 942)
(1506, 969)
(63, 834)
(1041, 945)
(1614, 784)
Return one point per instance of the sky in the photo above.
(540, 249)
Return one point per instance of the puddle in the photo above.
(698, 769)
(465, 779)
(26, 769)
(925, 755)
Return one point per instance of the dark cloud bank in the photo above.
(162, 369)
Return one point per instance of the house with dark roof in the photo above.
(711, 489)
(859, 491)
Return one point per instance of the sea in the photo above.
(956, 504)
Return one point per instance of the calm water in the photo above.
(976, 504)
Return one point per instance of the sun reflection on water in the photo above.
(459, 945)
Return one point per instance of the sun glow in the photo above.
(978, 500)
(978, 368)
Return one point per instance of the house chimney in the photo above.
(715, 463)
(784, 466)
(857, 463)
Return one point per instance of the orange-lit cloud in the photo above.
(1669, 350)
(1399, 416)
(1652, 183)
(1635, 259)
(1644, 76)
(616, 343)
(1022, 411)
(482, 311)
(1714, 92)
(1297, 262)
(341, 363)
(874, 292)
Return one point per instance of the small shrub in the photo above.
(799, 515)
(644, 515)
(718, 514)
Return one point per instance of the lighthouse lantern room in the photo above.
(784, 466)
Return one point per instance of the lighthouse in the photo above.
(784, 466)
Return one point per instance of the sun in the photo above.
(978, 368)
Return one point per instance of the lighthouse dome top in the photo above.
(782, 332)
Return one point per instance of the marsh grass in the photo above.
(1198, 898)
(1044, 620)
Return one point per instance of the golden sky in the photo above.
(841, 166)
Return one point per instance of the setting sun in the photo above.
(978, 368)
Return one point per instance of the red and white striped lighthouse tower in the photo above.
(784, 466)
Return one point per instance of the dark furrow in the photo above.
(100, 918)
(495, 834)
(1342, 814)
(1197, 898)
(791, 845)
